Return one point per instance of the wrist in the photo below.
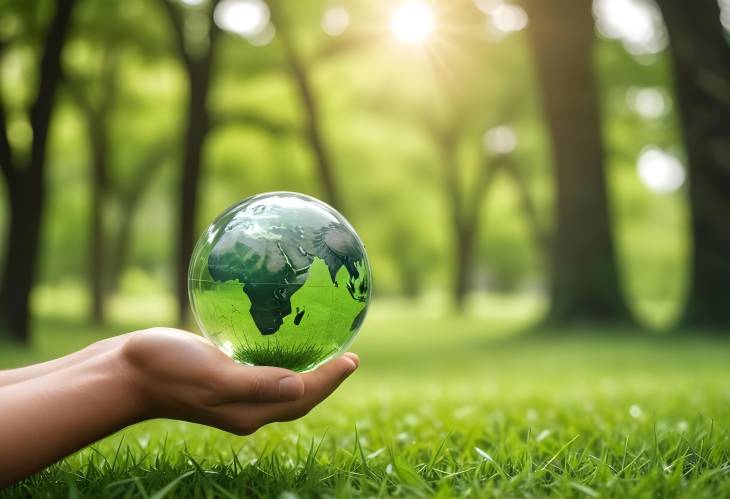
(129, 383)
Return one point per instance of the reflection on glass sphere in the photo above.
(280, 279)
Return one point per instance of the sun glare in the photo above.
(412, 22)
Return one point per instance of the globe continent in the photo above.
(280, 279)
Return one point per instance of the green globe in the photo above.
(280, 279)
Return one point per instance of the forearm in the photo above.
(50, 416)
(11, 376)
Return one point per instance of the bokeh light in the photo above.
(725, 14)
(246, 18)
(335, 20)
(509, 18)
(264, 37)
(487, 6)
(412, 22)
(638, 24)
(650, 103)
(500, 140)
(660, 171)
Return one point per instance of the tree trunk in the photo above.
(701, 58)
(540, 239)
(197, 130)
(25, 208)
(122, 247)
(313, 134)
(463, 264)
(198, 69)
(585, 282)
(26, 188)
(312, 126)
(464, 222)
(129, 199)
(96, 239)
(446, 141)
(411, 281)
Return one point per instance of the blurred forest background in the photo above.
(573, 157)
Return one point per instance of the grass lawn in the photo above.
(444, 407)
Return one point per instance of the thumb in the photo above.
(259, 384)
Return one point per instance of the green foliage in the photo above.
(380, 103)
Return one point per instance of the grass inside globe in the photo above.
(280, 279)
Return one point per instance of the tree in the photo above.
(299, 72)
(96, 86)
(26, 184)
(109, 246)
(584, 271)
(128, 195)
(701, 57)
(465, 207)
(197, 57)
(96, 117)
(469, 93)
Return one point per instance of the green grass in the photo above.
(297, 357)
(446, 406)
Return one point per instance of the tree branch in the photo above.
(5, 151)
(485, 178)
(299, 73)
(176, 20)
(6, 155)
(446, 140)
(110, 66)
(214, 31)
(81, 99)
(50, 74)
(145, 171)
(253, 120)
(96, 115)
(541, 237)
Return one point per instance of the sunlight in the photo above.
(412, 22)
(660, 171)
(246, 18)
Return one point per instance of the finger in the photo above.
(237, 383)
(318, 385)
(324, 380)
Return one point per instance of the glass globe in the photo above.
(280, 279)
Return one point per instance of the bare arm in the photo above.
(10, 376)
(147, 374)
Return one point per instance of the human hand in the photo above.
(141, 375)
(176, 374)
